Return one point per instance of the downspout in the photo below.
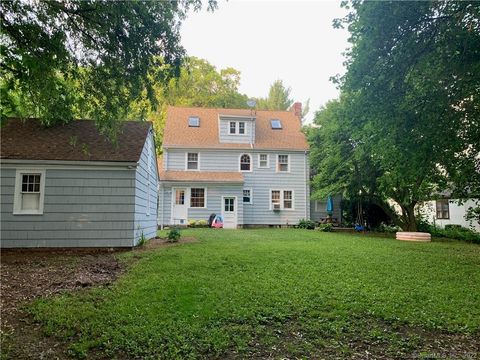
(163, 205)
(307, 180)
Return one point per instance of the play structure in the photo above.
(215, 221)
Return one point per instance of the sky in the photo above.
(268, 40)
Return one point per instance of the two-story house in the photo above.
(249, 166)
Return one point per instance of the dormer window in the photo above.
(276, 124)
(237, 128)
(245, 162)
(194, 121)
(241, 127)
(233, 127)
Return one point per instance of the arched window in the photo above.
(245, 162)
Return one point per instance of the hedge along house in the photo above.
(69, 186)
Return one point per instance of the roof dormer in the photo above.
(238, 129)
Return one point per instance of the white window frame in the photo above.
(240, 162)
(277, 167)
(204, 196)
(230, 127)
(317, 206)
(237, 128)
(17, 200)
(251, 196)
(282, 199)
(268, 161)
(186, 161)
(244, 128)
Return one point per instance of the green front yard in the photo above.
(279, 293)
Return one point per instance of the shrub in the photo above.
(173, 235)
(325, 227)
(459, 233)
(191, 223)
(387, 228)
(306, 224)
(451, 231)
(202, 223)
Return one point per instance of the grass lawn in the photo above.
(279, 293)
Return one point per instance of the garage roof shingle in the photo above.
(77, 140)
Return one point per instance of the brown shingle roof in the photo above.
(201, 176)
(78, 140)
(177, 133)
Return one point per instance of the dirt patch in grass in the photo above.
(28, 274)
(159, 242)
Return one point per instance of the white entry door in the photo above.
(229, 212)
(179, 206)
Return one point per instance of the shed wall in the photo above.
(82, 208)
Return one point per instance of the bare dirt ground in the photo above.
(26, 274)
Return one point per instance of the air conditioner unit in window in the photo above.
(276, 207)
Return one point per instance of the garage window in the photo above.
(29, 192)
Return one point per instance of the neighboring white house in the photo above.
(443, 212)
(69, 186)
(250, 166)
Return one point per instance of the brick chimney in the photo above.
(297, 109)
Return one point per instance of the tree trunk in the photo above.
(408, 215)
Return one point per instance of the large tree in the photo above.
(199, 84)
(64, 59)
(410, 100)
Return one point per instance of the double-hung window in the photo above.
(192, 161)
(197, 198)
(233, 127)
(276, 201)
(283, 163)
(29, 192)
(263, 160)
(241, 127)
(281, 199)
(247, 196)
(237, 128)
(287, 199)
(443, 210)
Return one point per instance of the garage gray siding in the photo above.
(82, 208)
(146, 182)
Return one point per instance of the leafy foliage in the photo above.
(306, 224)
(325, 227)
(174, 235)
(407, 123)
(62, 60)
(199, 84)
(278, 97)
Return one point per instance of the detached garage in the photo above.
(69, 186)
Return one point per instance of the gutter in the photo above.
(62, 163)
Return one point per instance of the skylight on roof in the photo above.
(276, 124)
(193, 121)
